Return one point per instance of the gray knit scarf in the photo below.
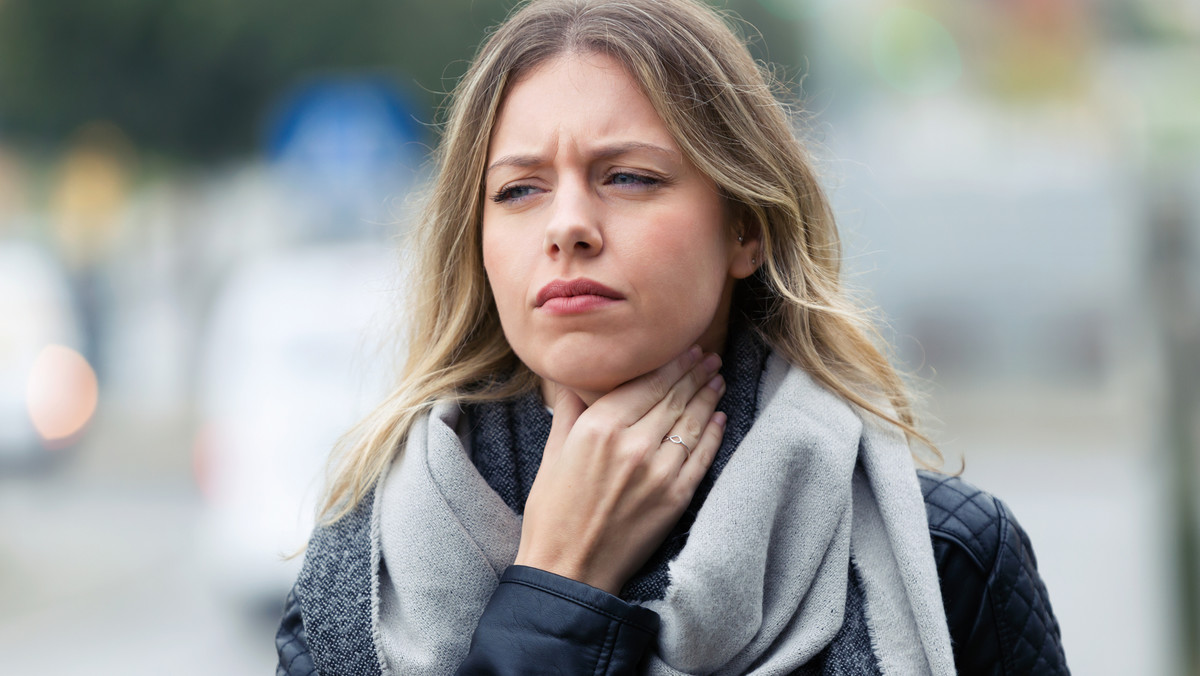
(398, 586)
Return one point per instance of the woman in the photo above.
(569, 479)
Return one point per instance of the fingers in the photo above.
(692, 425)
(687, 406)
(629, 403)
(703, 453)
(567, 409)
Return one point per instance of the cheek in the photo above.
(688, 285)
(693, 258)
(497, 266)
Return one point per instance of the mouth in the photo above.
(575, 295)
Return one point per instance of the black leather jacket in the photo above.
(996, 606)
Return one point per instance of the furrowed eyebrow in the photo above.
(605, 152)
(514, 161)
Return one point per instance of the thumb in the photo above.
(567, 409)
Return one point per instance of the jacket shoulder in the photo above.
(996, 603)
(969, 517)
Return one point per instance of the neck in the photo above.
(712, 341)
(550, 390)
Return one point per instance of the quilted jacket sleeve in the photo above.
(291, 642)
(996, 604)
(540, 623)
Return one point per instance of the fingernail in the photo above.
(716, 383)
(695, 353)
(712, 362)
(720, 418)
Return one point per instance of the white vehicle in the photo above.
(290, 362)
(36, 312)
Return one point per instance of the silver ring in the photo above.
(676, 439)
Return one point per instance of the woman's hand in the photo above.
(610, 486)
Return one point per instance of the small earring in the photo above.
(739, 239)
(753, 260)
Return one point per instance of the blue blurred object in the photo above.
(345, 122)
(349, 142)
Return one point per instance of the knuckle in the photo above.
(708, 394)
(674, 401)
(714, 447)
(636, 451)
(596, 431)
(660, 476)
(680, 494)
(660, 385)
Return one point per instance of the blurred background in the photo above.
(199, 212)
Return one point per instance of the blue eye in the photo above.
(626, 178)
(511, 193)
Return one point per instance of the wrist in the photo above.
(564, 567)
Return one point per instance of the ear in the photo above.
(746, 253)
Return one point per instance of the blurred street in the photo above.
(202, 275)
(99, 570)
(127, 596)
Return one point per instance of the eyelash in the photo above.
(639, 179)
(505, 194)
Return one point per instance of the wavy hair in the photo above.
(721, 109)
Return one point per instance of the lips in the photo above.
(573, 288)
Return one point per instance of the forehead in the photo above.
(581, 99)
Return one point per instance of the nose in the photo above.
(574, 228)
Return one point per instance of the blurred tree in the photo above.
(193, 79)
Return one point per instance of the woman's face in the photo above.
(608, 252)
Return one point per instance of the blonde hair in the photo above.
(720, 107)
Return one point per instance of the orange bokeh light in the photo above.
(61, 394)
